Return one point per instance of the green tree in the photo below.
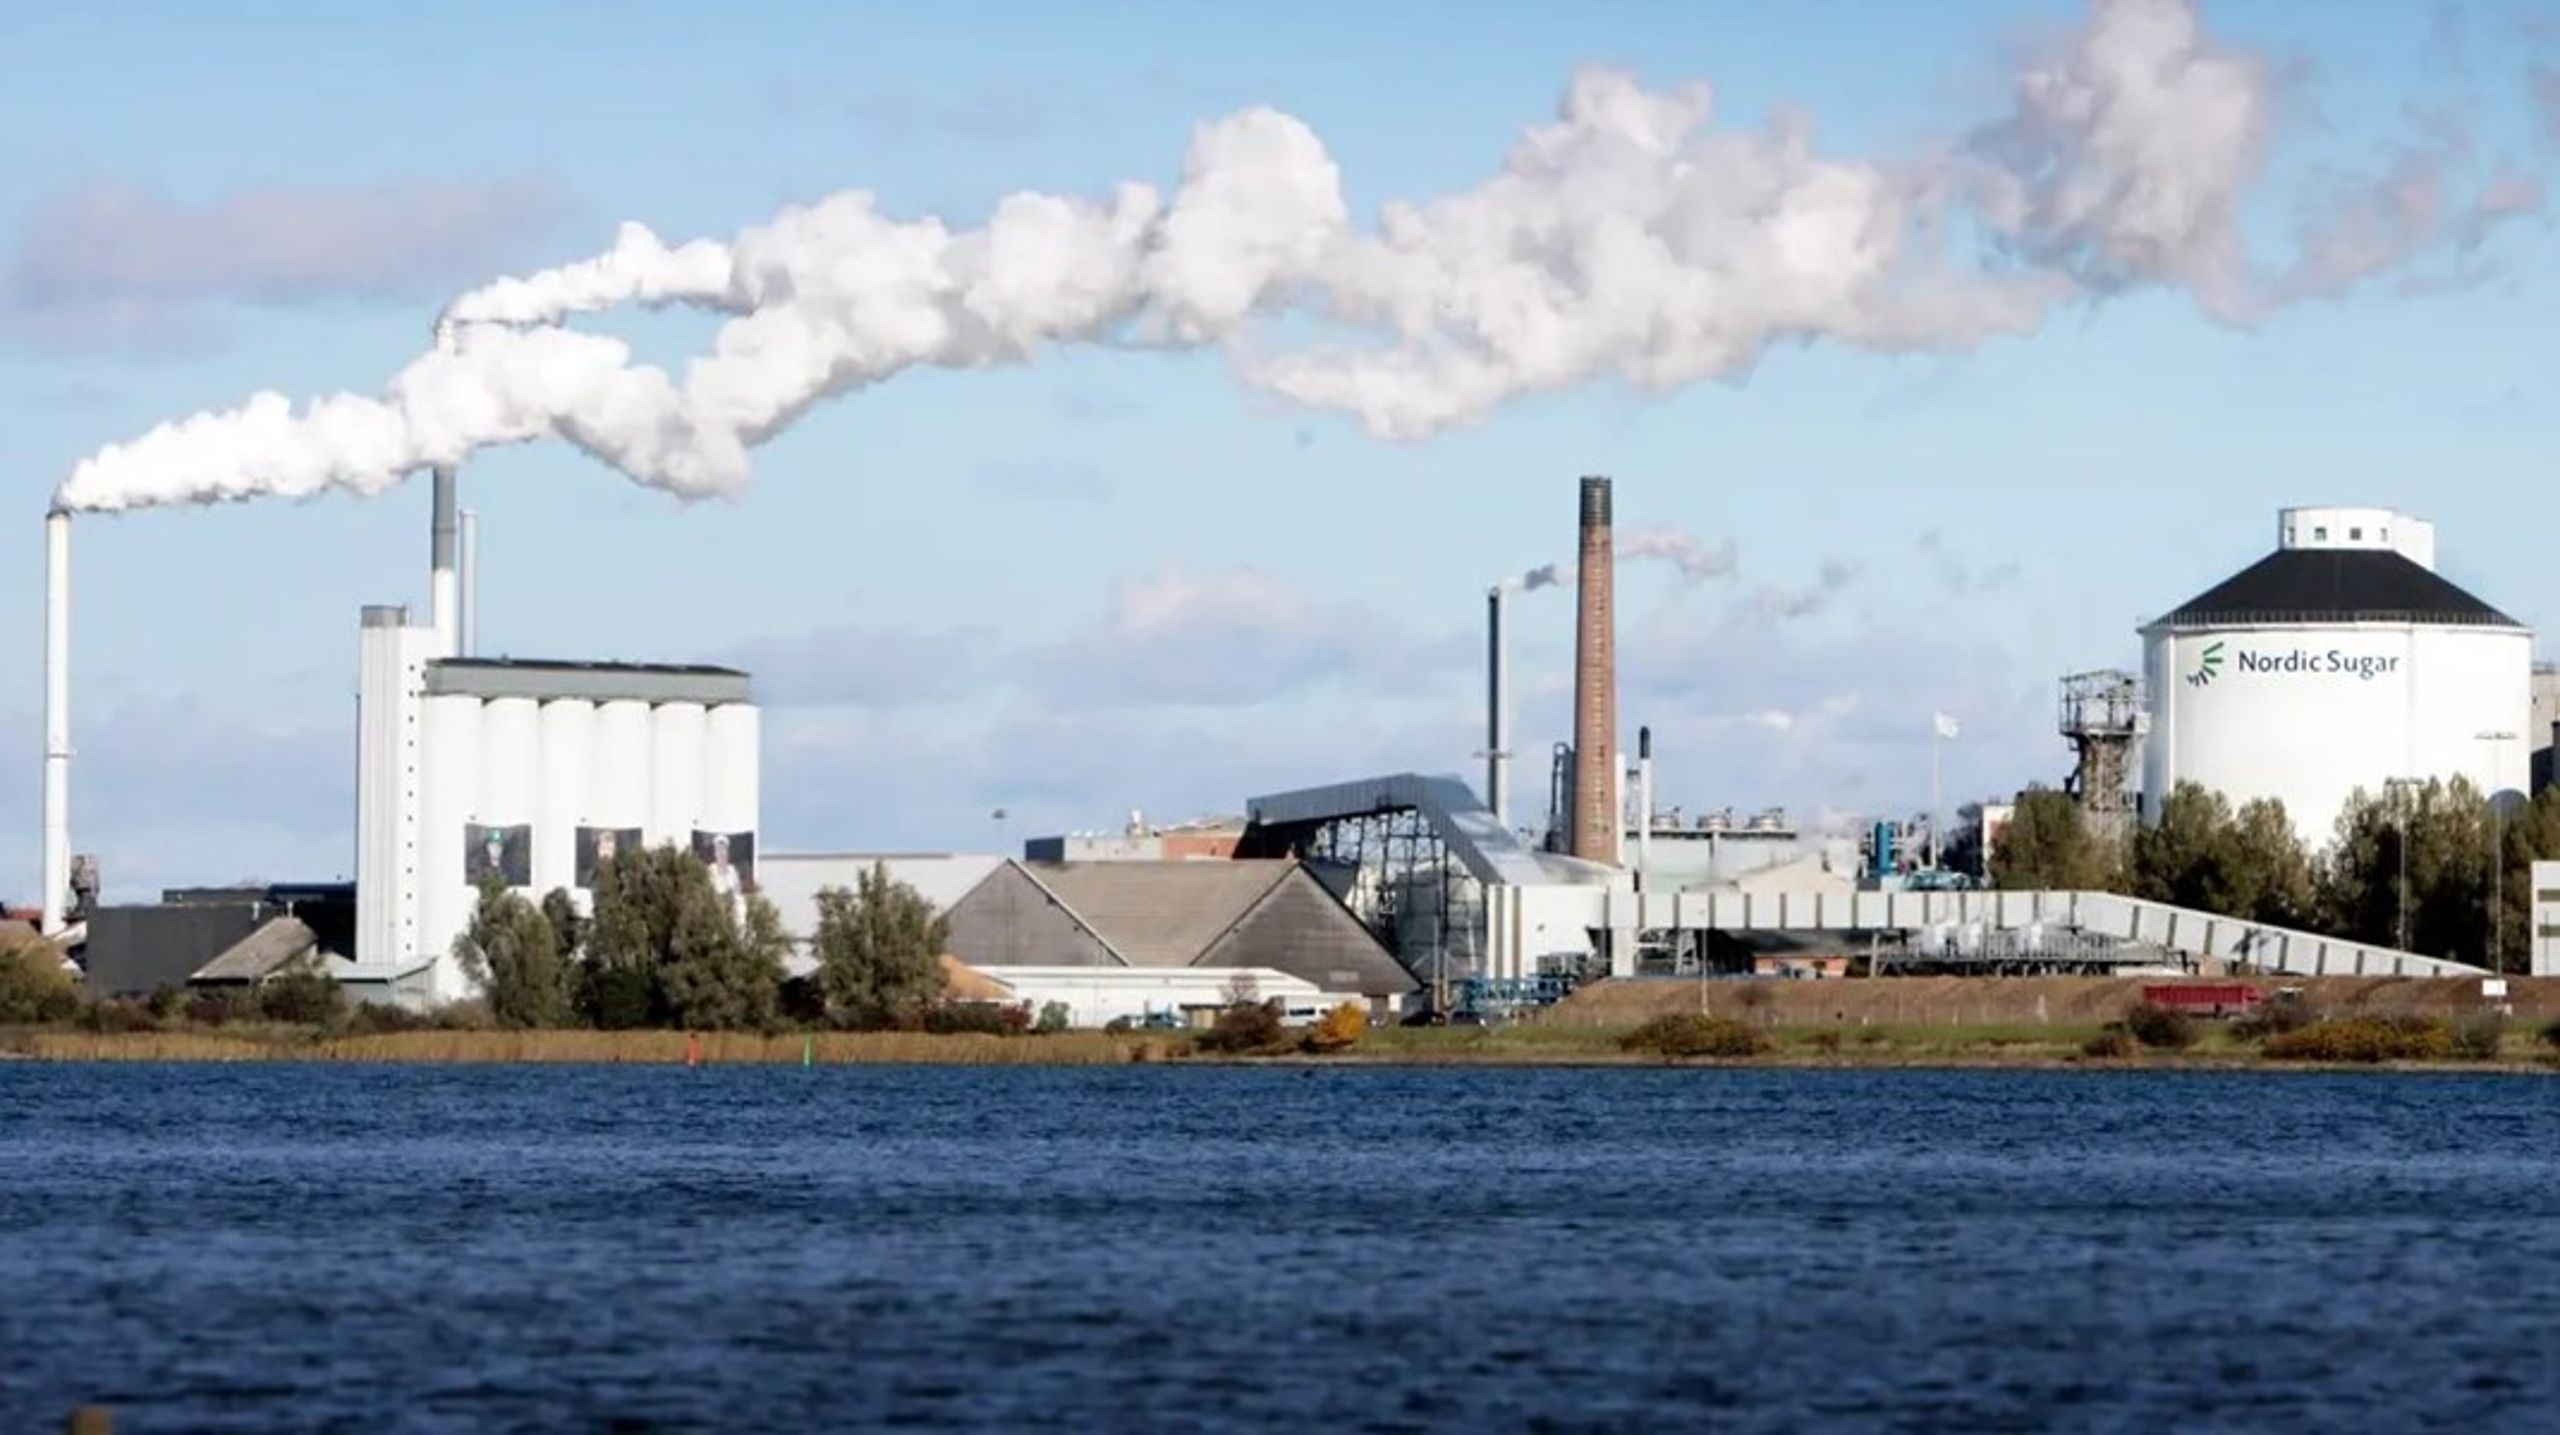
(513, 952)
(2422, 852)
(2047, 846)
(568, 924)
(2198, 853)
(303, 994)
(34, 988)
(879, 952)
(667, 947)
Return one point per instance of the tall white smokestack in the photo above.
(1497, 707)
(57, 718)
(467, 641)
(443, 588)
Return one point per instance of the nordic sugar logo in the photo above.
(2208, 665)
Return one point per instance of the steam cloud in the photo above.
(1667, 543)
(1630, 237)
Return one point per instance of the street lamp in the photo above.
(2497, 855)
(2399, 789)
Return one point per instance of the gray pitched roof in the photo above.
(1159, 914)
(262, 953)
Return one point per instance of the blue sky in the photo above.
(1124, 579)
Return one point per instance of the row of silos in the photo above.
(535, 786)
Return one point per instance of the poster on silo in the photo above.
(598, 845)
(731, 856)
(505, 853)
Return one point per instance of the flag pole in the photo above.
(1936, 738)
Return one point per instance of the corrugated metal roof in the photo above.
(791, 881)
(2335, 585)
(1159, 914)
(262, 953)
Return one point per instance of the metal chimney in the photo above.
(57, 721)
(443, 589)
(1497, 708)
(1595, 684)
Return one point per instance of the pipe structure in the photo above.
(1644, 805)
(57, 719)
(1497, 707)
(467, 638)
(1597, 822)
(442, 588)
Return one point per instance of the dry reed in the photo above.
(612, 1048)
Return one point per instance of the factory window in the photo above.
(2355, 535)
(2319, 535)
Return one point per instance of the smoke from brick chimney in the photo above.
(1595, 685)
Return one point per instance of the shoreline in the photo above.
(1550, 1048)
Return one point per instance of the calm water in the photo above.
(478, 1248)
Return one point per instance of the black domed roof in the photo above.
(2334, 585)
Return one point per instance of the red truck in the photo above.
(2204, 998)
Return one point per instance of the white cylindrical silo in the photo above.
(619, 770)
(510, 786)
(730, 757)
(2340, 662)
(675, 773)
(568, 734)
(449, 798)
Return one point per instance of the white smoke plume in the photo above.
(1682, 550)
(1667, 543)
(1631, 237)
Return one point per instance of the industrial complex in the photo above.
(2342, 661)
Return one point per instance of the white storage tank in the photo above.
(501, 835)
(2340, 661)
(731, 740)
(618, 780)
(568, 733)
(675, 772)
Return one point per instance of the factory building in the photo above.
(1123, 938)
(530, 772)
(2340, 661)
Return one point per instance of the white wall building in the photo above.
(2341, 661)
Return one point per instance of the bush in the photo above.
(302, 996)
(983, 1018)
(2274, 1019)
(2365, 1039)
(2476, 1035)
(1053, 1018)
(380, 1019)
(1692, 1034)
(117, 1016)
(2551, 1035)
(2160, 1027)
(34, 989)
(1119, 1024)
(2113, 1044)
(167, 1003)
(213, 1008)
(1340, 1030)
(1244, 1026)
